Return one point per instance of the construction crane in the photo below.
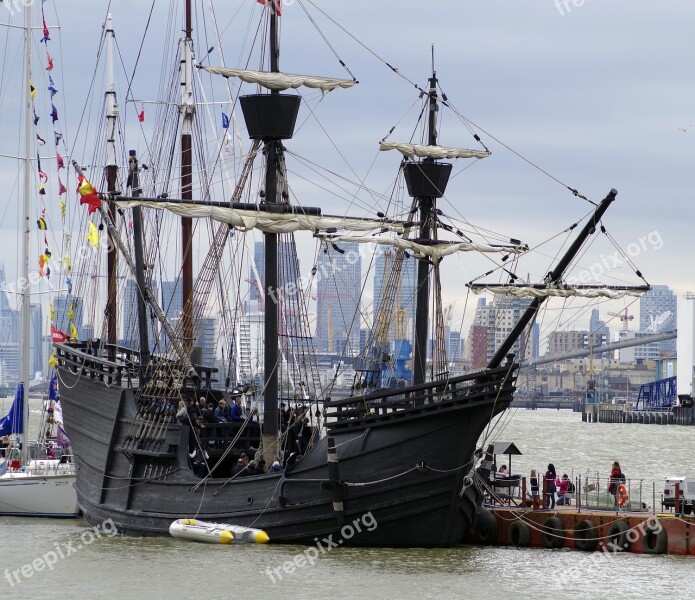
(624, 318)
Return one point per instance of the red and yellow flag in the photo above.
(278, 7)
(89, 194)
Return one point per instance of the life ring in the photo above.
(585, 536)
(654, 542)
(486, 528)
(616, 536)
(519, 534)
(553, 533)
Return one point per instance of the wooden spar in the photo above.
(553, 278)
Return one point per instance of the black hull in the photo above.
(402, 472)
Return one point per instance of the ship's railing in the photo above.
(117, 365)
(469, 388)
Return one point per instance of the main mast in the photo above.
(271, 351)
(426, 181)
(26, 224)
(187, 108)
(271, 118)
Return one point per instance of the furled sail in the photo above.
(561, 291)
(433, 250)
(267, 222)
(421, 151)
(283, 81)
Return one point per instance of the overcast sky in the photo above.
(598, 94)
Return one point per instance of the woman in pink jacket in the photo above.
(562, 485)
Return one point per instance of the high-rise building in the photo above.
(35, 342)
(131, 332)
(596, 325)
(658, 312)
(259, 263)
(172, 299)
(405, 302)
(62, 306)
(338, 290)
(494, 322)
(206, 338)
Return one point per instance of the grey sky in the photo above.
(593, 92)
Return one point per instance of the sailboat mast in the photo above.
(26, 225)
(271, 352)
(426, 205)
(187, 110)
(111, 178)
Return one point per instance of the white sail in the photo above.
(245, 220)
(436, 251)
(558, 292)
(283, 81)
(421, 151)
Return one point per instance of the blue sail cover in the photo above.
(13, 422)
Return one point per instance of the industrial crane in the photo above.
(624, 318)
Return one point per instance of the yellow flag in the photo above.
(53, 312)
(73, 332)
(53, 360)
(62, 209)
(93, 235)
(67, 261)
(71, 313)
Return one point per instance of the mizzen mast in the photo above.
(111, 179)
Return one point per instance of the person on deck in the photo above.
(562, 486)
(535, 491)
(237, 413)
(550, 477)
(502, 473)
(616, 477)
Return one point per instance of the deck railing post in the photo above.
(677, 502)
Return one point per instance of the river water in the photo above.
(94, 566)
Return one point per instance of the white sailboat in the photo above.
(32, 488)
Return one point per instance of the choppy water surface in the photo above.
(125, 568)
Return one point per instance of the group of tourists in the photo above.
(558, 490)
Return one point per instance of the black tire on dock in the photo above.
(487, 529)
(519, 534)
(553, 533)
(585, 536)
(617, 536)
(654, 542)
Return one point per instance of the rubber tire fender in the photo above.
(519, 534)
(617, 536)
(655, 542)
(552, 533)
(585, 536)
(487, 530)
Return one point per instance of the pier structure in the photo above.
(587, 530)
